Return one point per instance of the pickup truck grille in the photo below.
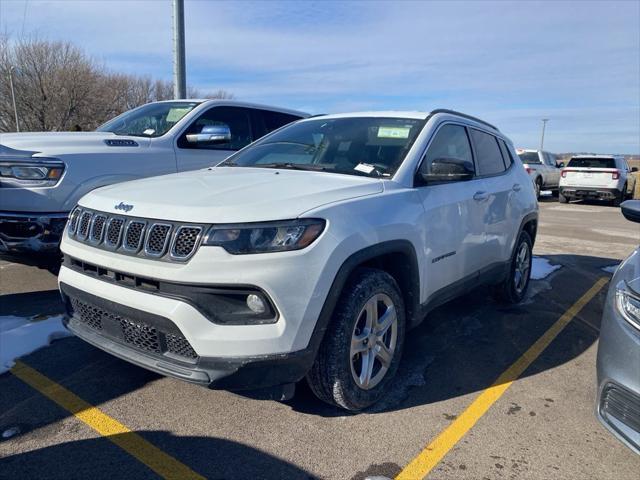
(170, 241)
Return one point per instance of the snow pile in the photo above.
(546, 193)
(542, 268)
(20, 336)
(611, 268)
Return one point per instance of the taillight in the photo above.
(528, 169)
(563, 173)
(615, 175)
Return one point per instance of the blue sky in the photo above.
(511, 63)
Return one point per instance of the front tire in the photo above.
(621, 196)
(514, 288)
(363, 344)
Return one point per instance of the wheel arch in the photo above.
(396, 257)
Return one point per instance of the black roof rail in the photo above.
(464, 115)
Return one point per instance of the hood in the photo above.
(58, 143)
(230, 194)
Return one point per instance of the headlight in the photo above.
(628, 304)
(265, 237)
(43, 174)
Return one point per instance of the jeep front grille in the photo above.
(171, 241)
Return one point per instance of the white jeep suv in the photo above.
(309, 253)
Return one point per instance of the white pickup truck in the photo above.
(601, 177)
(43, 175)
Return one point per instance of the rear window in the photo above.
(592, 163)
(529, 157)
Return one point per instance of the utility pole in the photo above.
(13, 97)
(179, 76)
(544, 124)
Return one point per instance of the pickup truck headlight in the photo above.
(265, 237)
(628, 304)
(30, 174)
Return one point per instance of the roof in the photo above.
(381, 114)
(597, 155)
(238, 103)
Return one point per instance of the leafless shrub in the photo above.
(58, 87)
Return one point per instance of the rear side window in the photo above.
(451, 142)
(506, 153)
(275, 120)
(529, 157)
(488, 155)
(587, 162)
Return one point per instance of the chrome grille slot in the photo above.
(157, 239)
(85, 223)
(133, 236)
(185, 241)
(73, 220)
(97, 228)
(114, 232)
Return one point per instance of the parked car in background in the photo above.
(543, 169)
(43, 175)
(307, 254)
(618, 399)
(600, 177)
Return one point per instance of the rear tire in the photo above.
(514, 288)
(562, 198)
(362, 347)
(538, 187)
(621, 196)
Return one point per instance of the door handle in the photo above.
(480, 196)
(516, 187)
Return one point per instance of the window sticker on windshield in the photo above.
(176, 114)
(393, 132)
(149, 131)
(365, 168)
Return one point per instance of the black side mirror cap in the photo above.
(631, 210)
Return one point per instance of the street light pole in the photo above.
(179, 80)
(544, 124)
(13, 97)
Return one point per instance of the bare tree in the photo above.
(58, 87)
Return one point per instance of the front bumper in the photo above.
(156, 343)
(26, 232)
(590, 193)
(618, 402)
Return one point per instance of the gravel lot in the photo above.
(542, 427)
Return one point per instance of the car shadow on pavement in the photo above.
(99, 458)
(463, 346)
(31, 304)
(46, 261)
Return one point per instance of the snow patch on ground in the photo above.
(546, 193)
(542, 268)
(20, 336)
(610, 268)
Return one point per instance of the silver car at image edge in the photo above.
(618, 403)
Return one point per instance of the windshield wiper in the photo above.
(292, 166)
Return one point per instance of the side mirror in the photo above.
(561, 165)
(211, 135)
(631, 210)
(634, 169)
(446, 169)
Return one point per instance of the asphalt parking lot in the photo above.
(541, 426)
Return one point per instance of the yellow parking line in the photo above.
(428, 458)
(160, 462)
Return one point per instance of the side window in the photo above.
(275, 120)
(506, 153)
(237, 119)
(449, 146)
(488, 155)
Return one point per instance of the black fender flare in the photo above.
(412, 297)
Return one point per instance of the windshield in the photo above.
(356, 145)
(150, 120)
(592, 163)
(529, 157)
